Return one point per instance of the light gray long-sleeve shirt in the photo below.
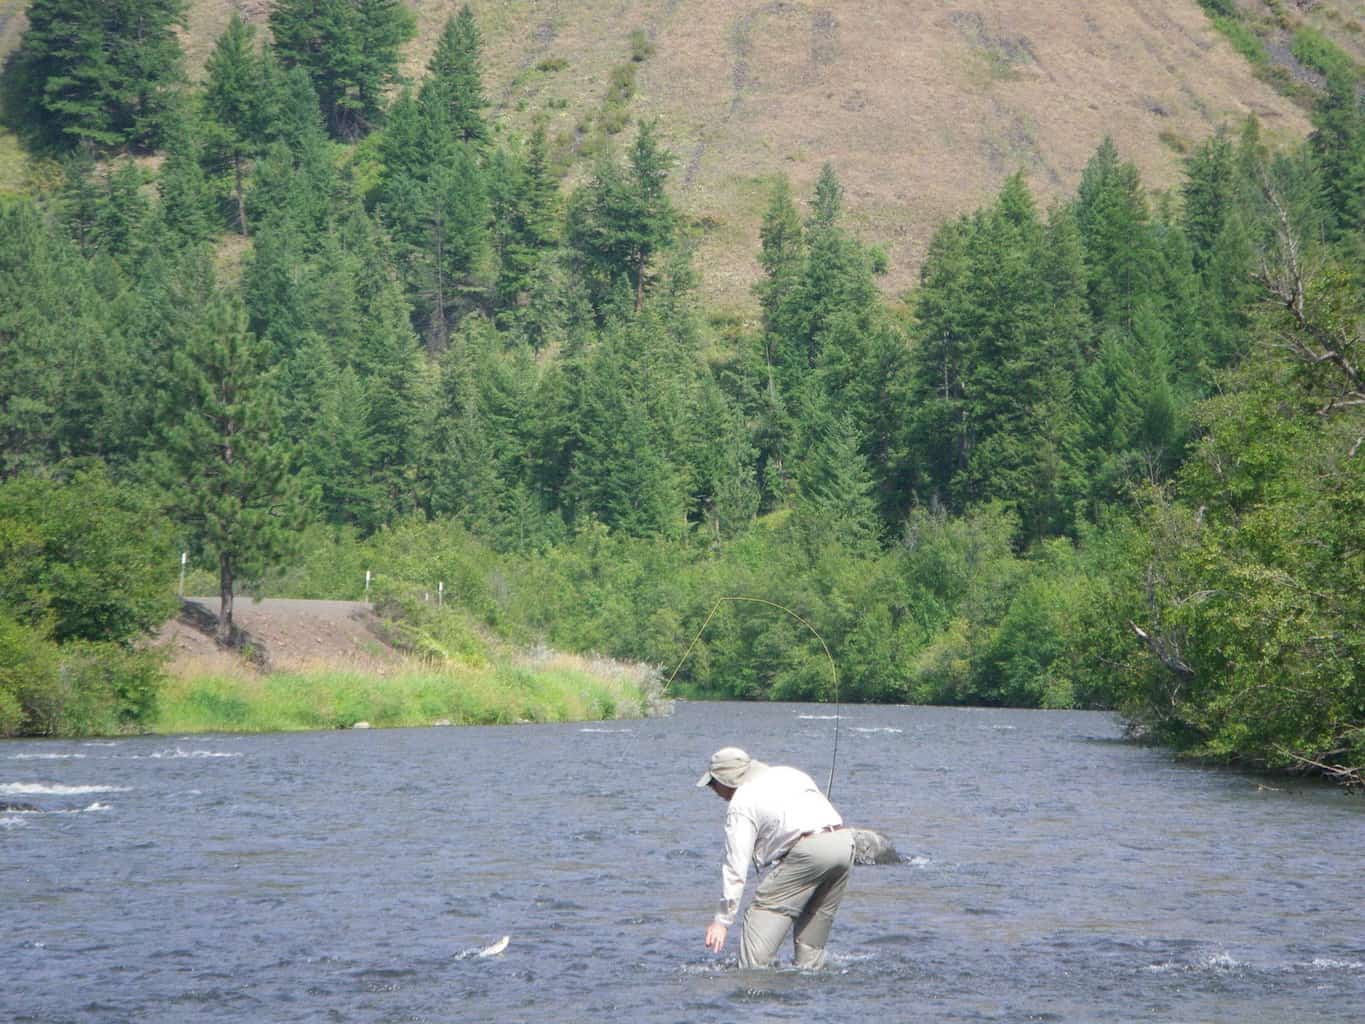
(766, 817)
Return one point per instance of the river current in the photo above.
(1053, 873)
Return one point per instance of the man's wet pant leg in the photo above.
(804, 889)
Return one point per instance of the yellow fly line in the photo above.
(833, 670)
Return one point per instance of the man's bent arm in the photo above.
(740, 833)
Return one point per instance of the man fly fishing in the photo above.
(778, 819)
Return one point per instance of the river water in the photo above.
(1054, 873)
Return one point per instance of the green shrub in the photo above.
(621, 86)
(76, 689)
(29, 699)
(11, 714)
(1221, 8)
(108, 689)
(1313, 49)
(90, 559)
(1243, 40)
(641, 46)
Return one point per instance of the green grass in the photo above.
(560, 690)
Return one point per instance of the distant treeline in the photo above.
(1107, 455)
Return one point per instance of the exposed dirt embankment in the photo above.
(287, 634)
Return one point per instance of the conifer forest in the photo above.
(303, 317)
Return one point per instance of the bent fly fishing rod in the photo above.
(833, 670)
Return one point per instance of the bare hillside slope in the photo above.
(924, 108)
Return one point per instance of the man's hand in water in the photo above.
(715, 936)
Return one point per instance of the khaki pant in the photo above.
(802, 892)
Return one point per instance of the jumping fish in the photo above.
(481, 952)
(497, 947)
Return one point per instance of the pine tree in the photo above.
(624, 472)
(941, 431)
(836, 491)
(828, 203)
(235, 100)
(397, 391)
(186, 202)
(1210, 194)
(434, 198)
(1112, 215)
(101, 71)
(121, 209)
(225, 468)
(1000, 324)
(782, 251)
(452, 93)
(465, 483)
(622, 220)
(52, 331)
(441, 226)
(351, 51)
(343, 453)
(78, 198)
(1338, 144)
(525, 200)
(829, 342)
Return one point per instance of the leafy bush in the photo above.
(77, 689)
(109, 689)
(641, 46)
(28, 679)
(1312, 48)
(91, 559)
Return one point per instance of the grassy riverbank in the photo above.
(216, 695)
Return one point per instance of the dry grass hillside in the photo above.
(923, 108)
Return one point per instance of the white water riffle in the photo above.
(1053, 872)
(55, 789)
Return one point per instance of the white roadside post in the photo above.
(184, 559)
(440, 595)
(367, 586)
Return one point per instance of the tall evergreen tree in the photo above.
(236, 101)
(53, 345)
(626, 470)
(829, 342)
(622, 220)
(782, 252)
(440, 223)
(1210, 194)
(1338, 144)
(1112, 215)
(121, 209)
(434, 197)
(186, 202)
(226, 470)
(465, 479)
(351, 51)
(836, 490)
(452, 92)
(101, 71)
(1000, 321)
(525, 196)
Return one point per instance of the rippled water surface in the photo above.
(1054, 874)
